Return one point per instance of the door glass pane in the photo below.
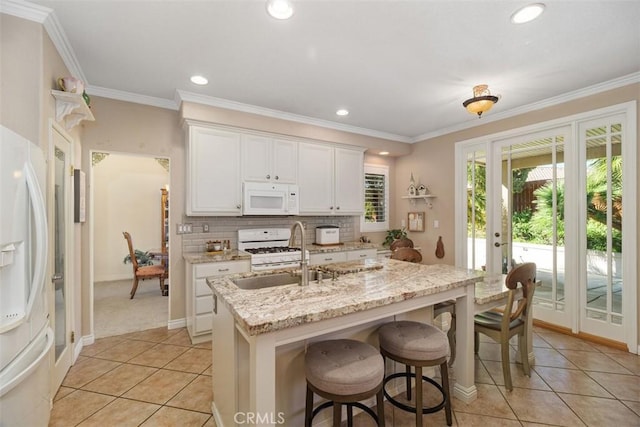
(59, 252)
(604, 223)
(476, 210)
(533, 214)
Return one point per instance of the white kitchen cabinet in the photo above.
(362, 254)
(214, 184)
(266, 159)
(327, 258)
(200, 298)
(331, 180)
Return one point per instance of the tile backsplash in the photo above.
(223, 228)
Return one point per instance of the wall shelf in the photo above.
(71, 108)
(426, 197)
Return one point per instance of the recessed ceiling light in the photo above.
(280, 9)
(342, 112)
(199, 80)
(384, 153)
(527, 13)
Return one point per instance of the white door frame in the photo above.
(630, 267)
(66, 359)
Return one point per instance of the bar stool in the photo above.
(343, 371)
(419, 345)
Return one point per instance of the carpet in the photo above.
(115, 314)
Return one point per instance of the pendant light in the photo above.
(481, 102)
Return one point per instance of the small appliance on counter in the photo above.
(327, 235)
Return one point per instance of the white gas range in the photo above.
(269, 248)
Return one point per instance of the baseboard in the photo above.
(88, 339)
(583, 335)
(77, 350)
(177, 323)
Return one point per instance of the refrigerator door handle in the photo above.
(10, 383)
(40, 220)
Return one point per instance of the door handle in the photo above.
(498, 244)
(57, 279)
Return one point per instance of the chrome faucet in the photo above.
(304, 263)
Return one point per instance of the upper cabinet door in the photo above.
(269, 160)
(256, 158)
(315, 164)
(213, 177)
(285, 161)
(349, 182)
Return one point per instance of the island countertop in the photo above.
(375, 283)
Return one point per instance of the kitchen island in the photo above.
(259, 336)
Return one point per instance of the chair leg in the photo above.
(308, 410)
(407, 369)
(134, 288)
(524, 353)
(451, 336)
(337, 414)
(476, 342)
(380, 407)
(349, 415)
(162, 285)
(419, 396)
(506, 368)
(444, 373)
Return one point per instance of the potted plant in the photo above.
(394, 234)
(143, 258)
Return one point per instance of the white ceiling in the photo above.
(402, 68)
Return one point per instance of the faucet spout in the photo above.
(304, 262)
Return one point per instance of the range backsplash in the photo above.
(223, 228)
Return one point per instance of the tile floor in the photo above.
(157, 378)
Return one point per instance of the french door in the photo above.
(61, 230)
(555, 197)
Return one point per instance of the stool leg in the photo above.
(337, 414)
(418, 396)
(349, 415)
(444, 372)
(308, 410)
(407, 369)
(380, 407)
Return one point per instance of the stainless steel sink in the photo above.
(270, 280)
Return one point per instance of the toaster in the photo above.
(327, 235)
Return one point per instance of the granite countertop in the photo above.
(271, 309)
(204, 257)
(343, 246)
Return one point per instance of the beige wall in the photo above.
(433, 159)
(124, 127)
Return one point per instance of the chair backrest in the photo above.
(407, 254)
(132, 254)
(525, 274)
(401, 243)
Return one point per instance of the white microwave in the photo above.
(261, 198)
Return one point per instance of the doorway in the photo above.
(127, 195)
(553, 194)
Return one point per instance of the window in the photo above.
(376, 198)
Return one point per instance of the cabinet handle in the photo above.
(268, 176)
(338, 208)
(363, 255)
(238, 206)
(328, 259)
(331, 207)
(215, 304)
(222, 270)
(277, 177)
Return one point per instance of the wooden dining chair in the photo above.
(145, 272)
(407, 254)
(404, 242)
(512, 320)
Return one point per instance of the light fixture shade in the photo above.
(481, 102)
(280, 9)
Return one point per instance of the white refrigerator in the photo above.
(25, 336)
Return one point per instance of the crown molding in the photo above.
(182, 96)
(132, 97)
(549, 102)
(25, 10)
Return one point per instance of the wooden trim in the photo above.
(582, 335)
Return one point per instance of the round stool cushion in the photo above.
(343, 367)
(413, 340)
